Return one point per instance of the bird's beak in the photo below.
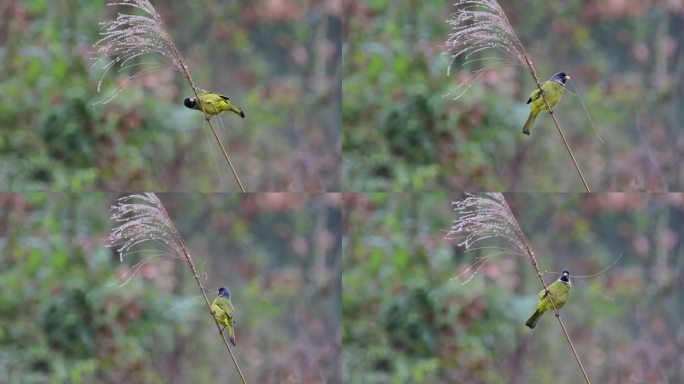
(567, 77)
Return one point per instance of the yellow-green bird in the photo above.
(212, 103)
(224, 311)
(553, 90)
(560, 293)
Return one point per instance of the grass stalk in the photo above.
(130, 36)
(488, 215)
(141, 218)
(482, 24)
(535, 265)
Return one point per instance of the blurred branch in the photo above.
(489, 215)
(141, 218)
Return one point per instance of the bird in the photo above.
(224, 312)
(212, 103)
(553, 89)
(560, 293)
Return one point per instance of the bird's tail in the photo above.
(528, 123)
(237, 111)
(231, 334)
(532, 321)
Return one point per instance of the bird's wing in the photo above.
(227, 309)
(534, 95)
(219, 313)
(202, 92)
(542, 294)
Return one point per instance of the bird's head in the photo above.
(560, 77)
(190, 103)
(223, 292)
(565, 276)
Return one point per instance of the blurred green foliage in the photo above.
(66, 316)
(411, 313)
(403, 130)
(279, 63)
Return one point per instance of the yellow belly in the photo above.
(553, 93)
(560, 296)
(221, 315)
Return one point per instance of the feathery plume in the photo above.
(479, 25)
(485, 216)
(131, 36)
(141, 218)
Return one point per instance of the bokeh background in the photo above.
(406, 320)
(64, 319)
(278, 60)
(405, 132)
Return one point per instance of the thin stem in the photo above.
(169, 52)
(188, 258)
(517, 45)
(557, 313)
(574, 352)
(186, 74)
(191, 265)
(533, 261)
(479, 25)
(567, 146)
(530, 67)
(213, 130)
(223, 150)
